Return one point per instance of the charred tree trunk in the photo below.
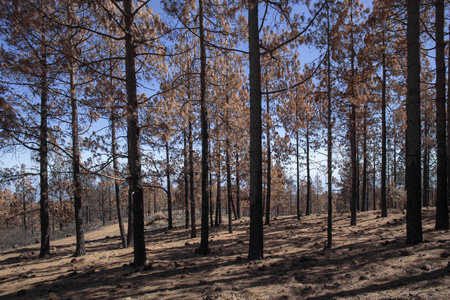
(238, 187)
(78, 190)
(269, 165)
(256, 245)
(329, 137)
(383, 202)
(169, 189)
(43, 159)
(116, 180)
(186, 182)
(442, 220)
(203, 248)
(191, 179)
(413, 176)
(219, 179)
(364, 183)
(133, 138)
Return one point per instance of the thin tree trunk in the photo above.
(353, 199)
(169, 189)
(78, 189)
(191, 179)
(374, 183)
(186, 182)
(219, 179)
(383, 202)
(43, 159)
(308, 172)
(269, 160)
(256, 245)
(228, 166)
(297, 156)
(203, 248)
(426, 170)
(442, 220)
(133, 135)
(364, 184)
(413, 176)
(238, 187)
(329, 137)
(116, 175)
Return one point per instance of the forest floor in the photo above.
(367, 261)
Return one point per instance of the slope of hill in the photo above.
(368, 261)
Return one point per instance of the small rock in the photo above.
(405, 253)
(363, 277)
(426, 267)
(262, 268)
(177, 265)
(52, 296)
(187, 244)
(15, 246)
(239, 242)
(239, 258)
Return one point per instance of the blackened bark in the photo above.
(383, 202)
(78, 189)
(133, 136)
(238, 188)
(442, 221)
(269, 165)
(43, 160)
(256, 245)
(329, 137)
(308, 172)
(413, 174)
(354, 199)
(116, 175)
(191, 179)
(186, 182)
(219, 190)
(364, 183)
(426, 169)
(228, 166)
(297, 156)
(203, 248)
(169, 189)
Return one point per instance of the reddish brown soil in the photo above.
(367, 261)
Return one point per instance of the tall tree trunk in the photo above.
(116, 175)
(203, 248)
(383, 202)
(133, 136)
(130, 235)
(186, 182)
(256, 245)
(442, 221)
(374, 183)
(413, 187)
(219, 190)
(308, 172)
(78, 189)
(269, 161)
(228, 166)
(426, 170)
(238, 187)
(297, 156)
(364, 183)
(191, 179)
(329, 137)
(353, 146)
(169, 189)
(43, 159)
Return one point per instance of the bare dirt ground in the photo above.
(367, 261)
